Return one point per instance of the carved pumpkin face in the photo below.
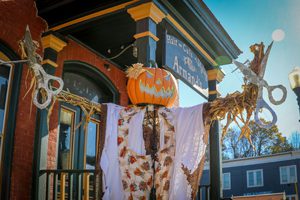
(152, 86)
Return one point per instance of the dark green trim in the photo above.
(212, 86)
(215, 159)
(11, 122)
(41, 130)
(36, 154)
(161, 45)
(94, 73)
(49, 68)
(215, 28)
(200, 12)
(50, 54)
(146, 45)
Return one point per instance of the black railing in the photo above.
(84, 184)
(203, 192)
(71, 184)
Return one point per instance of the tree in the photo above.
(281, 144)
(295, 140)
(264, 142)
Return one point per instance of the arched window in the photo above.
(10, 77)
(77, 149)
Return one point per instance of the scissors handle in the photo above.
(48, 78)
(270, 94)
(260, 105)
(45, 103)
(43, 80)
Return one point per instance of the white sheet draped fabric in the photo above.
(153, 147)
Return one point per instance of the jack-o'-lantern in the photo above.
(151, 86)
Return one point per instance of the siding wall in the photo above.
(271, 179)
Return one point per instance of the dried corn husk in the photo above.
(232, 108)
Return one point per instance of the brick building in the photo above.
(89, 46)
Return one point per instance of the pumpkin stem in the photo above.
(135, 70)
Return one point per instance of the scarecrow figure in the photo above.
(151, 151)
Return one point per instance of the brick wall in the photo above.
(74, 51)
(15, 15)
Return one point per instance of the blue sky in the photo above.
(253, 21)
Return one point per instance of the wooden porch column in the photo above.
(52, 45)
(147, 16)
(215, 154)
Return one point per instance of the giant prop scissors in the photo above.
(43, 79)
(261, 83)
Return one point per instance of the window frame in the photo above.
(290, 196)
(229, 188)
(72, 135)
(97, 122)
(288, 174)
(255, 178)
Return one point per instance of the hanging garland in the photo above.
(89, 108)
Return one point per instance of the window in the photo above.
(226, 181)
(66, 134)
(78, 138)
(288, 174)
(255, 178)
(291, 197)
(91, 144)
(85, 87)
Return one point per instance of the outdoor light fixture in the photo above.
(294, 78)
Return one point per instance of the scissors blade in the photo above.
(264, 61)
(29, 47)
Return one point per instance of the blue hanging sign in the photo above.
(185, 65)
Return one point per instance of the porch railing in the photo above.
(203, 192)
(84, 184)
(71, 184)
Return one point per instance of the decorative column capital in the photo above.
(215, 74)
(144, 34)
(146, 10)
(53, 42)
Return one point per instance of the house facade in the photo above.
(278, 173)
(89, 44)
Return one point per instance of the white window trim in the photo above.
(262, 178)
(288, 166)
(229, 188)
(293, 195)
